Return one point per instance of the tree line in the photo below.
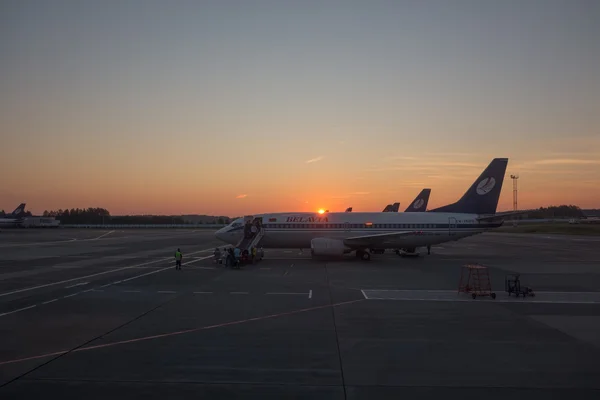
(97, 215)
(562, 211)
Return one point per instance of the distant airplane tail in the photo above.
(395, 207)
(349, 209)
(18, 212)
(387, 208)
(420, 202)
(482, 197)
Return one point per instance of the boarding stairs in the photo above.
(248, 243)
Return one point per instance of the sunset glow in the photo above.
(210, 109)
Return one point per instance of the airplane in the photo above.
(15, 218)
(392, 207)
(339, 233)
(419, 204)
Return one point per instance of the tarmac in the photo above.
(104, 314)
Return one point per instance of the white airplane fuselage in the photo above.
(296, 230)
(9, 222)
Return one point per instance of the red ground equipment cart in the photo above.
(475, 279)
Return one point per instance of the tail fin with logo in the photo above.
(482, 197)
(395, 207)
(420, 203)
(19, 211)
(387, 208)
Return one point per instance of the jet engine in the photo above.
(327, 247)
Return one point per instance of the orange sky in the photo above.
(209, 109)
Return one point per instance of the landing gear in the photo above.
(363, 255)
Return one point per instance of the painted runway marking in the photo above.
(77, 284)
(310, 294)
(202, 292)
(170, 334)
(106, 234)
(79, 278)
(238, 292)
(108, 284)
(303, 294)
(50, 301)
(166, 291)
(453, 296)
(102, 273)
(16, 311)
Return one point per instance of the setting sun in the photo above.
(321, 211)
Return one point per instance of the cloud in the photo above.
(400, 158)
(312, 160)
(567, 161)
(241, 196)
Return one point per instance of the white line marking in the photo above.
(292, 266)
(238, 292)
(20, 309)
(108, 284)
(50, 301)
(286, 293)
(365, 295)
(116, 282)
(202, 292)
(89, 290)
(99, 273)
(106, 234)
(165, 291)
(71, 295)
(310, 294)
(77, 284)
(97, 290)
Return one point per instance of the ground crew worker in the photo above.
(253, 255)
(178, 257)
(428, 249)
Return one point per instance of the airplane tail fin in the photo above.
(19, 211)
(420, 202)
(387, 208)
(395, 207)
(349, 209)
(482, 197)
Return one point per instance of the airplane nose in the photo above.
(220, 234)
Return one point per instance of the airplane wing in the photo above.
(378, 239)
(502, 215)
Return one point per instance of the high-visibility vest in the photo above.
(178, 255)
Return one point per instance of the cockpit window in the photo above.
(237, 223)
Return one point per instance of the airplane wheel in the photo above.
(366, 256)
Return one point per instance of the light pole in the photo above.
(514, 179)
